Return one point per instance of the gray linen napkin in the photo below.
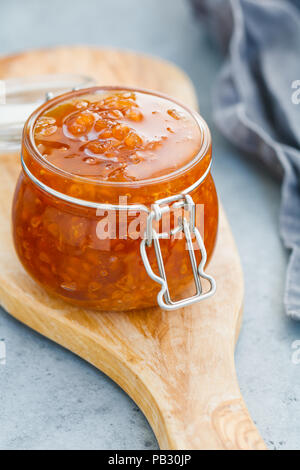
(257, 100)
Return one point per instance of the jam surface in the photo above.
(118, 136)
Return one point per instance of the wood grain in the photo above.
(177, 366)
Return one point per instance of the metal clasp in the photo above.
(187, 227)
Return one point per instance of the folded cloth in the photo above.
(257, 101)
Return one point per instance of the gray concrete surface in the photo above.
(49, 398)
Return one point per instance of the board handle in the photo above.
(228, 426)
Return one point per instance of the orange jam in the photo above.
(109, 146)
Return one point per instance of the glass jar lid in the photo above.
(21, 96)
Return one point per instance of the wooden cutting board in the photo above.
(177, 366)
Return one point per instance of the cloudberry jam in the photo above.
(108, 146)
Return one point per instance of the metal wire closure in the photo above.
(187, 227)
(160, 207)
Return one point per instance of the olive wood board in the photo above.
(177, 366)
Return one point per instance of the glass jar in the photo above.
(64, 239)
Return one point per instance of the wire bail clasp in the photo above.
(188, 227)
